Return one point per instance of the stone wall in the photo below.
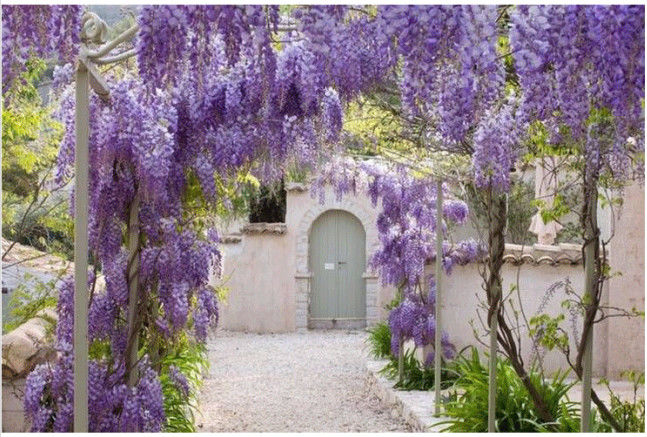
(266, 269)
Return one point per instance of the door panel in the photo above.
(337, 261)
(322, 256)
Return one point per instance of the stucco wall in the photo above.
(627, 256)
(258, 270)
(268, 276)
(463, 294)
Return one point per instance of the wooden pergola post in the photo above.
(93, 31)
(439, 272)
(81, 166)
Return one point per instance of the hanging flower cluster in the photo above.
(353, 52)
(497, 142)
(216, 94)
(178, 40)
(37, 31)
(571, 59)
(135, 162)
(112, 403)
(406, 225)
(251, 105)
(451, 71)
(414, 320)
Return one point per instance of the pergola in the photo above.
(95, 50)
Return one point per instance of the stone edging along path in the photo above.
(416, 407)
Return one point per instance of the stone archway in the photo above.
(303, 276)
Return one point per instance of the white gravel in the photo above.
(313, 381)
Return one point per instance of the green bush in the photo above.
(34, 211)
(415, 375)
(630, 414)
(190, 359)
(515, 412)
(28, 300)
(379, 340)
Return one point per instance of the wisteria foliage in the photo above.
(406, 225)
(37, 30)
(219, 89)
(571, 59)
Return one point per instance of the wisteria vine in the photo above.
(221, 88)
(406, 225)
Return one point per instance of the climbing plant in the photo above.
(407, 225)
(224, 89)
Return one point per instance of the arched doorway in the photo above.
(337, 260)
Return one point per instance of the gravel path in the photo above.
(313, 381)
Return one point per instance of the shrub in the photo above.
(629, 414)
(415, 375)
(181, 376)
(515, 411)
(267, 205)
(379, 340)
(28, 300)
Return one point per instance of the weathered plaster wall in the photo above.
(463, 296)
(269, 280)
(627, 256)
(258, 271)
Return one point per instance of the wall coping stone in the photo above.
(296, 186)
(265, 228)
(541, 254)
(563, 253)
(233, 238)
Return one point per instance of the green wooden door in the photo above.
(337, 262)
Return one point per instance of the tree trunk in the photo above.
(591, 254)
(500, 332)
(496, 246)
(132, 347)
(400, 360)
(592, 294)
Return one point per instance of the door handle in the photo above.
(341, 262)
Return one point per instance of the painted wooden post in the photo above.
(81, 165)
(491, 405)
(590, 254)
(93, 31)
(438, 279)
(400, 360)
